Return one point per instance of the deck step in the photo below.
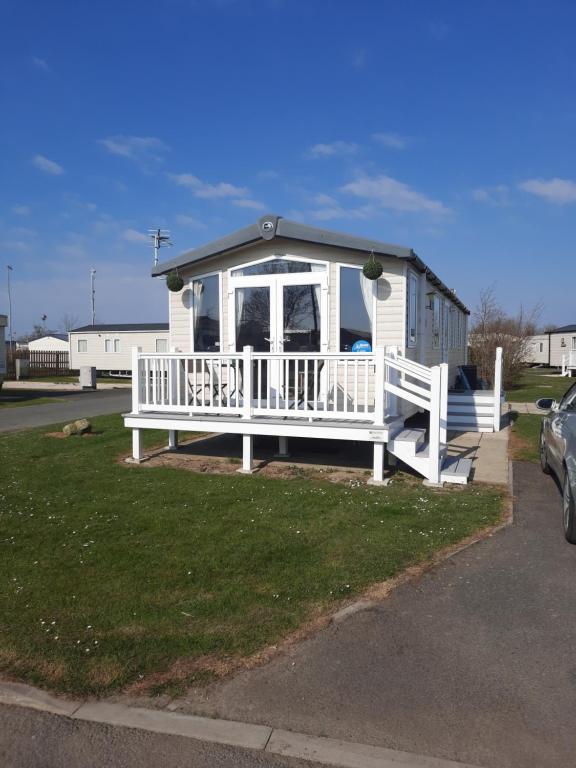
(455, 470)
(409, 439)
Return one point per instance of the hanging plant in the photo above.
(372, 269)
(174, 282)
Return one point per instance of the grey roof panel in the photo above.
(565, 329)
(272, 225)
(121, 327)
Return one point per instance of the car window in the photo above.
(569, 400)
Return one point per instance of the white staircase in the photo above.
(471, 411)
(412, 447)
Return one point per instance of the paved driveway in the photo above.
(475, 662)
(73, 405)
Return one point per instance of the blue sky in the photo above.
(447, 126)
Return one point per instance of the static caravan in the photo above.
(556, 349)
(52, 342)
(3, 324)
(108, 348)
(275, 330)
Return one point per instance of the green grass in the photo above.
(111, 572)
(526, 437)
(536, 383)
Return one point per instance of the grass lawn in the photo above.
(536, 383)
(525, 438)
(113, 574)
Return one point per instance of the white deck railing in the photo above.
(357, 386)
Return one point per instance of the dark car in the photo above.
(558, 452)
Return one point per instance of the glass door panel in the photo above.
(252, 308)
(301, 318)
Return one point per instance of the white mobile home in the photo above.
(276, 331)
(108, 348)
(556, 349)
(3, 324)
(52, 342)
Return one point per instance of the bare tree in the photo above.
(492, 328)
(69, 322)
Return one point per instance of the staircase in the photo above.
(471, 411)
(412, 447)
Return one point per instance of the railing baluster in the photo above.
(306, 384)
(355, 386)
(345, 364)
(367, 368)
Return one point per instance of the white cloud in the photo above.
(336, 211)
(267, 175)
(189, 221)
(497, 195)
(133, 236)
(246, 202)
(14, 245)
(387, 192)
(72, 251)
(46, 165)
(208, 191)
(41, 64)
(390, 140)
(333, 149)
(558, 191)
(142, 150)
(21, 210)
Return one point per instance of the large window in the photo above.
(436, 304)
(412, 310)
(206, 313)
(356, 309)
(82, 345)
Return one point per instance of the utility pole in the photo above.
(160, 238)
(9, 270)
(93, 294)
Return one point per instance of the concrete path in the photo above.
(488, 451)
(526, 408)
(475, 662)
(74, 405)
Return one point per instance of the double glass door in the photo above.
(280, 314)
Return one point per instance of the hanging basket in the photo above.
(372, 269)
(174, 282)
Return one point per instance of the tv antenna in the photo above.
(160, 238)
(93, 294)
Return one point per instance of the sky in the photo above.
(445, 126)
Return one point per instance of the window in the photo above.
(206, 313)
(108, 345)
(278, 267)
(161, 345)
(562, 342)
(412, 309)
(116, 345)
(356, 308)
(568, 402)
(445, 326)
(436, 321)
(82, 345)
(574, 343)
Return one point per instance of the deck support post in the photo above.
(137, 446)
(247, 454)
(282, 448)
(497, 388)
(378, 470)
(172, 439)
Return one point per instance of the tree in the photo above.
(68, 322)
(492, 327)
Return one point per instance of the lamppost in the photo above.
(8, 271)
(93, 294)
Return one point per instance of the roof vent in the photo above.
(268, 225)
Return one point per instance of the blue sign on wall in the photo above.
(361, 346)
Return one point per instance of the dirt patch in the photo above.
(62, 436)
(519, 446)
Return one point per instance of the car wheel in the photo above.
(569, 511)
(544, 455)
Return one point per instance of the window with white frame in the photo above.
(206, 313)
(573, 343)
(412, 310)
(116, 345)
(82, 345)
(356, 302)
(436, 321)
(108, 347)
(445, 324)
(161, 345)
